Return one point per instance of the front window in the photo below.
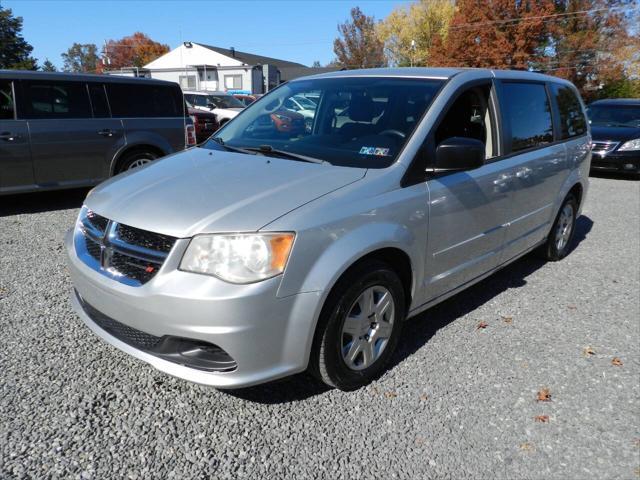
(614, 115)
(358, 122)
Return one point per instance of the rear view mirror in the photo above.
(458, 154)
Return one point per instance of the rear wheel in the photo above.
(134, 160)
(359, 326)
(559, 239)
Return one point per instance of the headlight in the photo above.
(238, 258)
(630, 145)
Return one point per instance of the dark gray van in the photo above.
(69, 130)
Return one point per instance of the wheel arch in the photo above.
(131, 149)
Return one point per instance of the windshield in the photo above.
(220, 101)
(357, 122)
(614, 115)
(225, 101)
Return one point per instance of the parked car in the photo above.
(260, 254)
(223, 105)
(615, 127)
(66, 130)
(303, 106)
(205, 123)
(245, 99)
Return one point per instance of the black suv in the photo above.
(68, 130)
(615, 129)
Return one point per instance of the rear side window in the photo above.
(6, 100)
(572, 121)
(128, 100)
(45, 99)
(98, 100)
(528, 114)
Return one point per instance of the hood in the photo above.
(201, 113)
(201, 190)
(614, 133)
(227, 112)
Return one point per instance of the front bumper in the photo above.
(267, 337)
(621, 162)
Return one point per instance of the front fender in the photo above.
(338, 250)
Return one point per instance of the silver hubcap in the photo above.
(565, 225)
(367, 328)
(138, 163)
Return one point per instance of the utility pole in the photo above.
(413, 49)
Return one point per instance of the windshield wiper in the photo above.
(269, 150)
(220, 142)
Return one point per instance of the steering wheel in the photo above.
(392, 131)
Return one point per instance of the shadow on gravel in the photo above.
(42, 201)
(419, 330)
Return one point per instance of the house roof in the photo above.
(289, 73)
(250, 58)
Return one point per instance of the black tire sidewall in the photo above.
(333, 368)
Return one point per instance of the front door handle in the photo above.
(8, 136)
(107, 132)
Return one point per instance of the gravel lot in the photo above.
(458, 402)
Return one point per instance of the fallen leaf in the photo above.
(507, 319)
(541, 418)
(588, 351)
(636, 442)
(424, 397)
(482, 325)
(616, 361)
(526, 446)
(390, 394)
(571, 307)
(544, 395)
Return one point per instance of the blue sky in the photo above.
(300, 31)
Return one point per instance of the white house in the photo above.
(202, 67)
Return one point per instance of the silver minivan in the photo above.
(279, 247)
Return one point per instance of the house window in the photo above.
(233, 82)
(187, 81)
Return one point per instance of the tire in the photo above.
(349, 361)
(560, 239)
(136, 159)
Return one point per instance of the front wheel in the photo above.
(559, 240)
(359, 326)
(135, 160)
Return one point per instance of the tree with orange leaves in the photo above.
(495, 33)
(133, 51)
(592, 44)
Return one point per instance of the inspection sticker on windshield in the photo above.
(378, 152)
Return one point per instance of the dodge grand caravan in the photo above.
(68, 130)
(264, 252)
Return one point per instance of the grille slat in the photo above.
(602, 147)
(126, 254)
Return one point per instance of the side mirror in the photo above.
(458, 154)
(211, 105)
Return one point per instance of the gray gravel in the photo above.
(458, 402)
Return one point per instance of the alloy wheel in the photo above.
(367, 328)
(565, 226)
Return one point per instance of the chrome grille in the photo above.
(602, 147)
(126, 254)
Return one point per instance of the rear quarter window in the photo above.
(130, 100)
(527, 113)
(572, 120)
